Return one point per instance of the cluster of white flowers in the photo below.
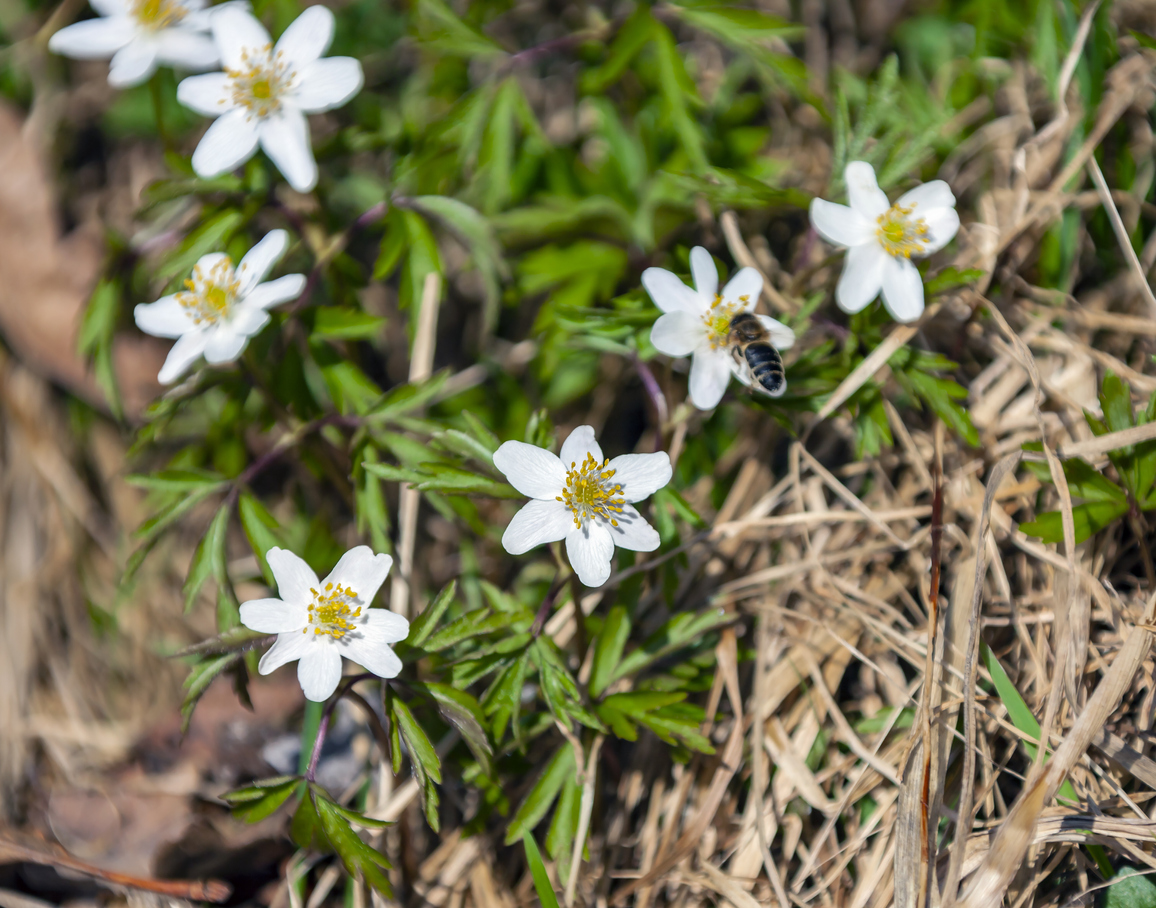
(259, 99)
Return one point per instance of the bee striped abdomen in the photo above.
(766, 367)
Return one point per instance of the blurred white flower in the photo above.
(696, 322)
(881, 238)
(222, 308)
(140, 35)
(318, 622)
(583, 498)
(265, 91)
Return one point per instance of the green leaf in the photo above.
(470, 625)
(1116, 402)
(407, 398)
(456, 481)
(94, 340)
(680, 93)
(1019, 712)
(360, 860)
(941, 395)
(608, 649)
(631, 38)
(202, 563)
(951, 277)
(261, 530)
(417, 742)
(438, 28)
(336, 323)
(1089, 519)
(235, 640)
(200, 677)
(462, 710)
(564, 826)
(540, 798)
(546, 894)
(423, 625)
(259, 800)
(683, 630)
(1130, 888)
(503, 701)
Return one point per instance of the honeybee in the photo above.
(750, 344)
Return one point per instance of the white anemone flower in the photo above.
(583, 498)
(139, 35)
(265, 91)
(881, 239)
(221, 308)
(318, 622)
(696, 323)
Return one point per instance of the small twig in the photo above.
(420, 368)
(1121, 232)
(657, 398)
(323, 727)
(547, 605)
(586, 806)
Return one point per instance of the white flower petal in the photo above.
(307, 37)
(248, 320)
(744, 288)
(273, 616)
(580, 443)
(370, 649)
(260, 260)
(641, 475)
(285, 648)
(704, 272)
(862, 276)
(319, 671)
(589, 551)
(164, 318)
(633, 532)
(388, 627)
(538, 522)
(183, 354)
(677, 333)
(229, 142)
(185, 49)
(531, 470)
(361, 569)
(942, 226)
(285, 138)
(863, 191)
(209, 95)
(328, 83)
(132, 64)
(840, 225)
(295, 579)
(902, 290)
(782, 337)
(92, 39)
(274, 293)
(936, 194)
(224, 344)
(710, 370)
(110, 7)
(670, 294)
(236, 30)
(210, 260)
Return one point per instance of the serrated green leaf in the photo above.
(336, 323)
(680, 631)
(541, 797)
(462, 710)
(425, 623)
(261, 530)
(261, 800)
(199, 678)
(234, 640)
(1089, 519)
(503, 701)
(417, 742)
(201, 566)
(360, 860)
(608, 649)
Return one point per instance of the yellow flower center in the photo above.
(332, 612)
(718, 319)
(900, 234)
(210, 297)
(589, 493)
(262, 80)
(158, 14)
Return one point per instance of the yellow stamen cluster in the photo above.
(718, 319)
(210, 297)
(589, 493)
(331, 613)
(900, 234)
(158, 14)
(261, 81)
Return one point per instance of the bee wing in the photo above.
(782, 337)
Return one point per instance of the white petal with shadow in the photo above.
(641, 475)
(670, 294)
(744, 288)
(537, 522)
(862, 276)
(704, 273)
(186, 351)
(361, 569)
(840, 225)
(710, 370)
(259, 261)
(319, 671)
(863, 190)
(226, 144)
(903, 290)
(678, 333)
(633, 532)
(589, 551)
(531, 470)
(295, 579)
(273, 616)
